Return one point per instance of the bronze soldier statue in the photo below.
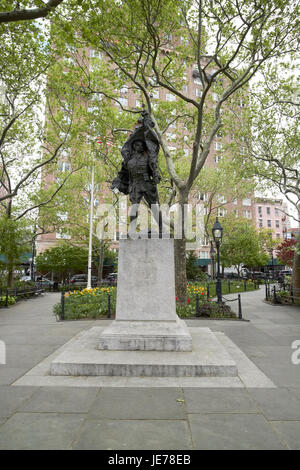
(139, 174)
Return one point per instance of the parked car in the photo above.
(257, 275)
(25, 278)
(80, 280)
(112, 277)
(44, 282)
(231, 275)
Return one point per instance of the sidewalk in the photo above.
(151, 418)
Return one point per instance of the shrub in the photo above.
(11, 300)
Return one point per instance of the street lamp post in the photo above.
(212, 258)
(217, 232)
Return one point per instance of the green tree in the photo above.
(192, 270)
(63, 259)
(135, 36)
(241, 245)
(15, 238)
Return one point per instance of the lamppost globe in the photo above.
(217, 231)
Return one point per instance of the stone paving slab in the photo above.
(12, 397)
(40, 431)
(233, 432)
(134, 434)
(289, 433)
(277, 405)
(219, 401)
(132, 403)
(60, 400)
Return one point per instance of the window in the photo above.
(278, 236)
(95, 54)
(205, 241)
(198, 92)
(123, 101)
(268, 210)
(63, 215)
(259, 210)
(222, 212)
(184, 88)
(170, 97)
(218, 158)
(96, 97)
(218, 146)
(221, 199)
(197, 81)
(277, 223)
(154, 94)
(124, 89)
(215, 96)
(204, 254)
(64, 166)
(202, 197)
(184, 41)
(242, 104)
(63, 236)
(246, 202)
(247, 214)
(236, 213)
(235, 201)
(186, 152)
(260, 223)
(171, 136)
(92, 109)
(269, 223)
(276, 211)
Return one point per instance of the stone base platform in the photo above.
(146, 336)
(82, 357)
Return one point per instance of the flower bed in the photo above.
(87, 303)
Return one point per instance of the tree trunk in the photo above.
(180, 257)
(296, 271)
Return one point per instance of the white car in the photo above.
(25, 278)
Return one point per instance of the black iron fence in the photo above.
(18, 293)
(281, 293)
(238, 299)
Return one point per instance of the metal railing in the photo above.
(272, 292)
(19, 293)
(240, 315)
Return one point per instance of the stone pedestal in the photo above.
(146, 316)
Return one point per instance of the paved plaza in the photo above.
(259, 411)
